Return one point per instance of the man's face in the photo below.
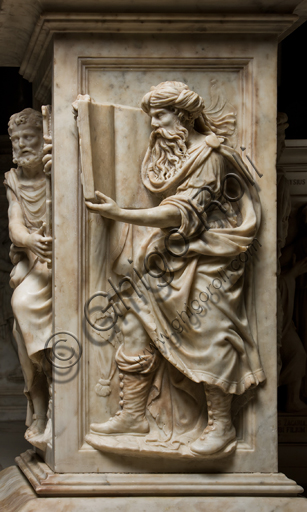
(163, 118)
(27, 143)
(167, 144)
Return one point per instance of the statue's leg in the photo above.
(16, 374)
(137, 364)
(40, 398)
(220, 434)
(294, 402)
(135, 337)
(35, 385)
(293, 357)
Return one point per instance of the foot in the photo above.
(214, 439)
(37, 427)
(122, 423)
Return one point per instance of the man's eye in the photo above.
(29, 137)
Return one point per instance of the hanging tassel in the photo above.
(103, 387)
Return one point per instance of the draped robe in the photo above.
(31, 279)
(218, 344)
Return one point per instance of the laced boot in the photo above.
(133, 400)
(219, 436)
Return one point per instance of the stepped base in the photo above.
(17, 495)
(47, 483)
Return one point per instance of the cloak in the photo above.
(195, 293)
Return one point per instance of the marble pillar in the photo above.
(231, 62)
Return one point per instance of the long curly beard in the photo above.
(168, 152)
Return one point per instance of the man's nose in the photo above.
(21, 143)
(154, 122)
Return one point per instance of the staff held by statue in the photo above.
(47, 161)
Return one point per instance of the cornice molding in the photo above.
(294, 153)
(65, 23)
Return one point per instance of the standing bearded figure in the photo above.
(186, 165)
(30, 253)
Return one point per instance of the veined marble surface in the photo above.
(119, 69)
(111, 70)
(18, 496)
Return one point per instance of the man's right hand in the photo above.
(40, 245)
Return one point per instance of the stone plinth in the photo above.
(18, 496)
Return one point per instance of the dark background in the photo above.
(15, 95)
(292, 83)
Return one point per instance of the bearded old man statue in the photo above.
(200, 318)
(30, 253)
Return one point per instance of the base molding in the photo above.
(17, 495)
(47, 483)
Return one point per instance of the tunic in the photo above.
(31, 279)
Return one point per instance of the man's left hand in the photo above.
(107, 207)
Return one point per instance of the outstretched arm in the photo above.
(165, 216)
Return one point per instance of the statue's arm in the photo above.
(17, 228)
(19, 234)
(164, 216)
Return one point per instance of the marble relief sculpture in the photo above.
(292, 267)
(30, 253)
(301, 286)
(187, 320)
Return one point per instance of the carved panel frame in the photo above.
(69, 435)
